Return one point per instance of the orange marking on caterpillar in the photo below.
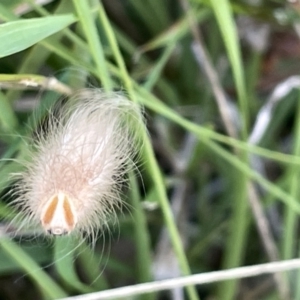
(49, 213)
(69, 217)
(58, 216)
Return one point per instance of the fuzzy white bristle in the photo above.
(72, 181)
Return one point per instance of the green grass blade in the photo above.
(8, 119)
(223, 13)
(152, 103)
(89, 27)
(157, 69)
(30, 267)
(151, 161)
(144, 255)
(64, 257)
(6, 14)
(290, 221)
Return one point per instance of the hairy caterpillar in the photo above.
(72, 181)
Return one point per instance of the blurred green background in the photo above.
(217, 186)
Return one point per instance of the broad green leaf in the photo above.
(19, 35)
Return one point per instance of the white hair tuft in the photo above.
(78, 163)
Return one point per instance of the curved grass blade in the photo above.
(43, 280)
